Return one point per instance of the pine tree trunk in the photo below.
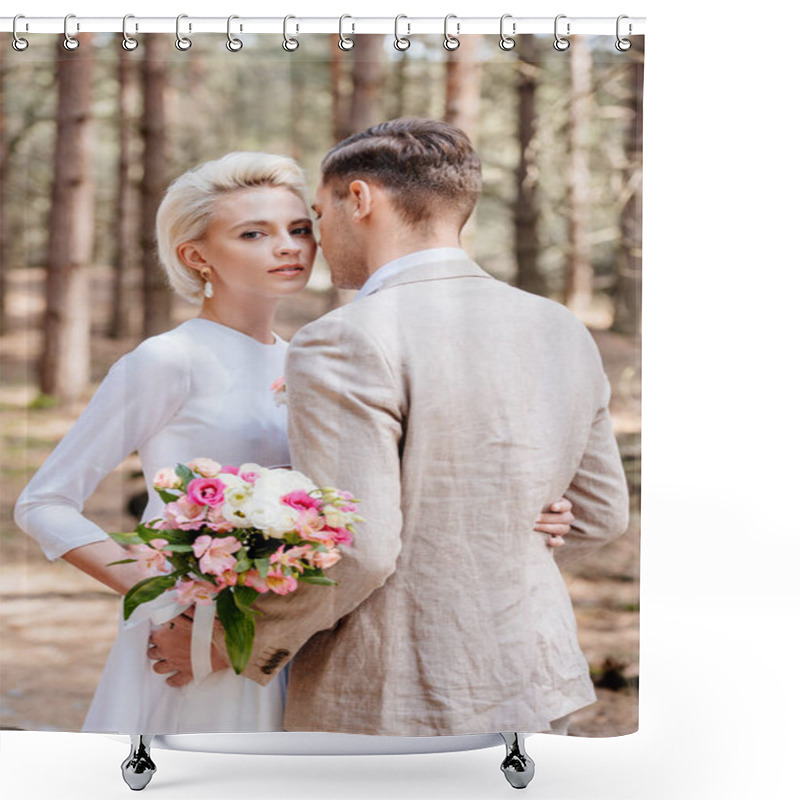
(66, 356)
(580, 274)
(126, 256)
(628, 294)
(157, 297)
(365, 109)
(463, 87)
(526, 208)
(5, 233)
(339, 109)
(462, 104)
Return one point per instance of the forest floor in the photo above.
(57, 625)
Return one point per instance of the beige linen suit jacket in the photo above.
(455, 408)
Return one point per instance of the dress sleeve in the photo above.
(138, 397)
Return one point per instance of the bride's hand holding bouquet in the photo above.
(228, 535)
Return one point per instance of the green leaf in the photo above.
(263, 566)
(180, 548)
(167, 495)
(240, 631)
(123, 561)
(244, 596)
(185, 474)
(126, 538)
(319, 580)
(146, 590)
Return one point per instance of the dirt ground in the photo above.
(57, 625)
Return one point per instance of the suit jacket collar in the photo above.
(435, 271)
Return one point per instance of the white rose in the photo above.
(279, 482)
(270, 516)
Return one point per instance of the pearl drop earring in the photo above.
(208, 289)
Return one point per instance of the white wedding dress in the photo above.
(200, 390)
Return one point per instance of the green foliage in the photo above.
(146, 590)
(238, 623)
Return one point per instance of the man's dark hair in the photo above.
(426, 165)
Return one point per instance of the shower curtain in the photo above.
(92, 137)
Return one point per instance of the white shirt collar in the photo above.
(433, 255)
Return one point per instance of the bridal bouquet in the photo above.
(228, 535)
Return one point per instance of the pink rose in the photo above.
(217, 522)
(309, 524)
(341, 536)
(229, 470)
(190, 592)
(206, 491)
(325, 560)
(182, 514)
(250, 477)
(206, 467)
(166, 478)
(299, 500)
(216, 554)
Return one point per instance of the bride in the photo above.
(235, 236)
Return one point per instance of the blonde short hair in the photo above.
(188, 206)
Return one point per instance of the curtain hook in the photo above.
(289, 44)
(451, 42)
(233, 44)
(560, 43)
(506, 42)
(182, 43)
(623, 45)
(18, 43)
(128, 42)
(70, 42)
(345, 43)
(401, 42)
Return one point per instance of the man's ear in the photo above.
(190, 254)
(362, 199)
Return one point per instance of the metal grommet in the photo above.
(401, 43)
(623, 45)
(289, 44)
(182, 43)
(233, 44)
(560, 43)
(18, 43)
(450, 42)
(128, 42)
(506, 42)
(345, 42)
(70, 42)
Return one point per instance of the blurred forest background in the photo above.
(89, 140)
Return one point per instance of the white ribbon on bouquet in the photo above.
(164, 608)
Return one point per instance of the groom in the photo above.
(455, 408)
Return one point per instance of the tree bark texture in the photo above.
(126, 256)
(628, 293)
(526, 208)
(463, 87)
(462, 104)
(366, 105)
(580, 273)
(64, 368)
(157, 296)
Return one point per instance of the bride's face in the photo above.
(260, 240)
